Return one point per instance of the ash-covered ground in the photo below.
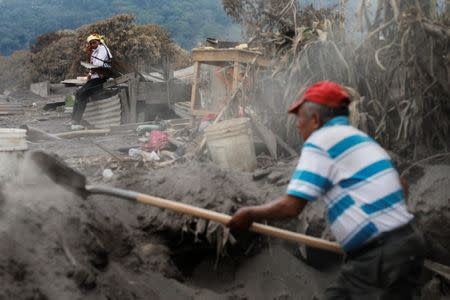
(56, 245)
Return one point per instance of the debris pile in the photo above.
(160, 143)
(305, 45)
(403, 84)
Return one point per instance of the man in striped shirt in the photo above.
(363, 193)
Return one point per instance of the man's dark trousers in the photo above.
(387, 268)
(82, 97)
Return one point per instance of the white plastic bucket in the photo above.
(12, 148)
(230, 144)
(12, 139)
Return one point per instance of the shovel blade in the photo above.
(59, 172)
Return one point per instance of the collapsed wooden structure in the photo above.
(141, 97)
(232, 57)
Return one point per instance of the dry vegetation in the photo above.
(139, 45)
(52, 56)
(14, 70)
(401, 67)
(404, 72)
(56, 56)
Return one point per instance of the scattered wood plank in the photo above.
(227, 55)
(177, 124)
(113, 155)
(35, 134)
(219, 116)
(119, 80)
(129, 126)
(286, 147)
(82, 133)
(268, 137)
(133, 85)
(202, 144)
(125, 105)
(73, 82)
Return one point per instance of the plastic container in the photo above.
(12, 139)
(13, 145)
(230, 144)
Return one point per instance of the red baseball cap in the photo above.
(323, 92)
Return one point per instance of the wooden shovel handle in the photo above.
(216, 217)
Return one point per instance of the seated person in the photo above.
(99, 56)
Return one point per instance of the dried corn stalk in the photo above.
(401, 68)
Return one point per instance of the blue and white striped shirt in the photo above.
(355, 177)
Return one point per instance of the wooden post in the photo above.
(168, 76)
(132, 93)
(236, 74)
(286, 147)
(125, 105)
(169, 90)
(195, 85)
(202, 144)
(267, 136)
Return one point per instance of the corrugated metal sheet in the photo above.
(177, 124)
(185, 74)
(183, 109)
(104, 113)
(153, 77)
(11, 108)
(77, 82)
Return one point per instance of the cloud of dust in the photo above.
(31, 194)
(331, 58)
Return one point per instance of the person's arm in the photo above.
(308, 183)
(287, 206)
